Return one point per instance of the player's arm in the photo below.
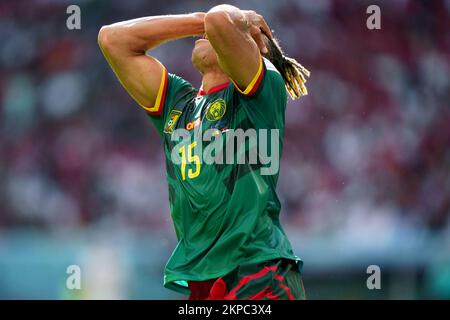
(237, 39)
(124, 46)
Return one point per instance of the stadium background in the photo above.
(365, 175)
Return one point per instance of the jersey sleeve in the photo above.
(172, 92)
(265, 98)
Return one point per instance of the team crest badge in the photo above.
(216, 110)
(174, 115)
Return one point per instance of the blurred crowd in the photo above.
(367, 150)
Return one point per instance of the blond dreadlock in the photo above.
(292, 71)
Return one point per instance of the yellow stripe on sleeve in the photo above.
(160, 97)
(254, 81)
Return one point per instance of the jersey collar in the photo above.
(217, 88)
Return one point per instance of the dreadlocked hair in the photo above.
(293, 73)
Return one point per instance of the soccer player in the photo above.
(230, 241)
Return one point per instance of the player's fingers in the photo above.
(265, 27)
(260, 42)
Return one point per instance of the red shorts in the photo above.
(273, 280)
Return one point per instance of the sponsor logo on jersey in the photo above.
(191, 125)
(216, 110)
(174, 115)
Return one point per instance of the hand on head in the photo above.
(258, 28)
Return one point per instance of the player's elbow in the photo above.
(117, 40)
(217, 21)
(106, 38)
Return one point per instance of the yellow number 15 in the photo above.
(189, 157)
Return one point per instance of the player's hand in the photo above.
(257, 28)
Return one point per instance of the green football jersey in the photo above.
(225, 214)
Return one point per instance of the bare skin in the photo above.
(229, 49)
